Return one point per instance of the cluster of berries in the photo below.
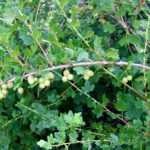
(42, 82)
(126, 79)
(46, 81)
(67, 76)
(87, 74)
(4, 89)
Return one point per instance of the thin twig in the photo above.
(38, 43)
(37, 12)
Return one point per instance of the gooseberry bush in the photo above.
(74, 74)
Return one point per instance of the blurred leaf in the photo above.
(110, 28)
(112, 53)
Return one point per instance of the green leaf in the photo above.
(73, 135)
(133, 39)
(79, 70)
(44, 144)
(98, 110)
(120, 105)
(88, 87)
(97, 43)
(78, 119)
(110, 28)
(60, 137)
(136, 24)
(89, 34)
(114, 138)
(68, 118)
(63, 2)
(83, 56)
(8, 17)
(112, 54)
(73, 23)
(25, 36)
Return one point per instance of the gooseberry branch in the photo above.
(101, 63)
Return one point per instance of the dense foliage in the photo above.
(74, 74)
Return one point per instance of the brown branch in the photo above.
(101, 63)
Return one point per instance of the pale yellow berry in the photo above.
(5, 92)
(47, 82)
(35, 79)
(4, 86)
(20, 90)
(41, 80)
(89, 73)
(66, 72)
(90, 7)
(51, 76)
(1, 95)
(124, 80)
(31, 80)
(70, 77)
(64, 79)
(42, 85)
(10, 85)
(86, 77)
(129, 77)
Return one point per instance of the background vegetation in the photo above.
(102, 101)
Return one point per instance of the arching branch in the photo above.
(101, 63)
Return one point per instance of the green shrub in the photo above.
(74, 74)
